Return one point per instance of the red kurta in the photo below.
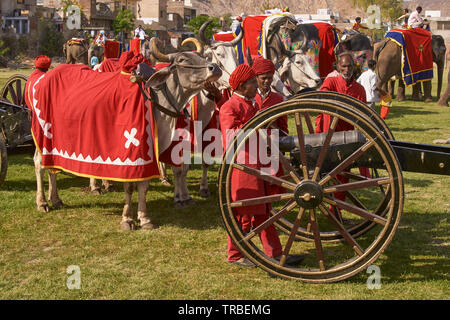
(338, 84)
(233, 115)
(272, 99)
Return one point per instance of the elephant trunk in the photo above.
(440, 66)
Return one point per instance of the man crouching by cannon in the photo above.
(234, 113)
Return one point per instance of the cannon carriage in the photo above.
(340, 194)
(15, 120)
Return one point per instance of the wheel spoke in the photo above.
(355, 210)
(261, 200)
(324, 149)
(355, 246)
(291, 238)
(308, 122)
(275, 217)
(301, 143)
(19, 92)
(266, 177)
(317, 241)
(284, 162)
(13, 94)
(347, 162)
(357, 185)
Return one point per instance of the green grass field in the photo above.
(186, 257)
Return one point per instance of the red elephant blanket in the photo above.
(93, 124)
(417, 53)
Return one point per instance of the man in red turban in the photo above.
(233, 115)
(264, 70)
(41, 64)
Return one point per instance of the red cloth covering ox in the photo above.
(110, 65)
(93, 124)
(112, 49)
(328, 37)
(224, 36)
(417, 54)
(252, 26)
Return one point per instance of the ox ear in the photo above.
(159, 77)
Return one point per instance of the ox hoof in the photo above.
(127, 225)
(58, 205)
(96, 192)
(188, 202)
(44, 207)
(166, 182)
(178, 204)
(204, 193)
(111, 188)
(149, 226)
(428, 100)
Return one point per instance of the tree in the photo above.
(195, 23)
(390, 9)
(124, 22)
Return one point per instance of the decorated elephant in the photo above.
(76, 51)
(389, 63)
(96, 50)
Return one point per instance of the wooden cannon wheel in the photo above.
(357, 229)
(3, 159)
(15, 123)
(307, 196)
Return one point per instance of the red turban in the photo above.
(261, 65)
(242, 73)
(42, 62)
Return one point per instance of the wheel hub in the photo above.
(308, 194)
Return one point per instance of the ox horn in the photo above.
(198, 45)
(249, 57)
(201, 33)
(236, 40)
(156, 53)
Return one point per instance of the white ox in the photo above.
(183, 82)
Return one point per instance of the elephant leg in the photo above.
(143, 216)
(127, 214)
(41, 202)
(416, 92)
(53, 191)
(427, 91)
(401, 91)
(391, 87)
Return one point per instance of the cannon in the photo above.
(340, 193)
(15, 120)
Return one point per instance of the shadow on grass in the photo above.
(417, 183)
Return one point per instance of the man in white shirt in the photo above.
(415, 20)
(368, 80)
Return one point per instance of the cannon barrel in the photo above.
(412, 157)
(288, 143)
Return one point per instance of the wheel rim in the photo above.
(16, 122)
(352, 256)
(3, 160)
